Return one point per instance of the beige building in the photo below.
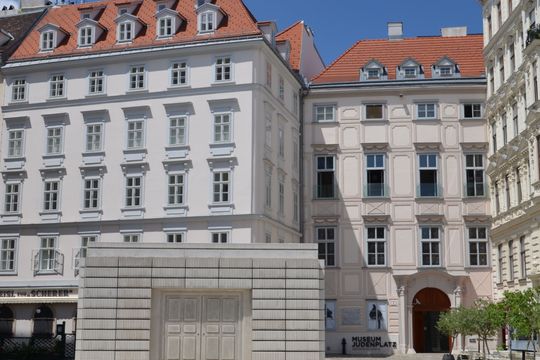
(395, 156)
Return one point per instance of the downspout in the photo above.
(304, 91)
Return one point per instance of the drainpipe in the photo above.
(303, 93)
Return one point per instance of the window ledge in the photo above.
(96, 95)
(472, 119)
(376, 198)
(375, 121)
(325, 199)
(472, 198)
(133, 212)
(221, 208)
(46, 272)
(58, 98)
(176, 210)
(137, 91)
(179, 87)
(177, 151)
(93, 157)
(326, 122)
(223, 83)
(53, 160)
(131, 155)
(427, 119)
(17, 102)
(429, 198)
(8, 273)
(91, 214)
(14, 163)
(222, 149)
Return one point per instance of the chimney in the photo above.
(395, 30)
(454, 31)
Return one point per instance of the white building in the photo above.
(395, 154)
(141, 122)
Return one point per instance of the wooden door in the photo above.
(182, 328)
(220, 324)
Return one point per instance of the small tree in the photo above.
(451, 323)
(523, 312)
(484, 320)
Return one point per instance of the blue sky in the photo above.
(337, 24)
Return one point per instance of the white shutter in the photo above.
(58, 262)
(35, 263)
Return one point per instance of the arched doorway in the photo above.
(6, 321)
(427, 307)
(43, 322)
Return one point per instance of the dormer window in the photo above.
(85, 16)
(47, 40)
(410, 72)
(446, 71)
(161, 7)
(374, 74)
(165, 26)
(86, 36)
(373, 70)
(445, 67)
(409, 69)
(125, 31)
(122, 11)
(207, 22)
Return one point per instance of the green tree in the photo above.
(523, 312)
(484, 320)
(451, 323)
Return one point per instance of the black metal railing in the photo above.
(42, 348)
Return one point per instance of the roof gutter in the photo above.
(399, 84)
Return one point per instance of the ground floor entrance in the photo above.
(428, 304)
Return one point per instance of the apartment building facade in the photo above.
(511, 57)
(395, 155)
(144, 122)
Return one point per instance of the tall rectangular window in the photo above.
(47, 40)
(512, 52)
(135, 134)
(535, 81)
(281, 88)
(125, 31)
(85, 36)
(221, 186)
(472, 111)
(137, 78)
(206, 23)
(497, 198)
(474, 173)
(18, 90)
(51, 195)
(296, 151)
(223, 71)
(222, 128)
(519, 191)
(281, 198)
(375, 174)
(165, 26)
(269, 75)
(430, 245)
(478, 246)
(96, 82)
(47, 254)
(54, 140)
(501, 70)
(428, 173)
(15, 143)
(515, 119)
(91, 192)
(491, 81)
(511, 260)
(504, 129)
(507, 191)
(376, 246)
(176, 190)
(426, 111)
(268, 188)
(281, 139)
(133, 191)
(325, 113)
(177, 130)
(295, 104)
(325, 172)
(296, 205)
(179, 73)
(7, 255)
(500, 263)
(12, 198)
(523, 257)
(93, 137)
(494, 137)
(57, 86)
(326, 240)
(85, 241)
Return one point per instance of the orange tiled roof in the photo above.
(466, 51)
(294, 34)
(237, 22)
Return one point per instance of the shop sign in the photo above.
(372, 343)
(35, 293)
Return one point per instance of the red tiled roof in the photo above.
(294, 34)
(466, 51)
(237, 22)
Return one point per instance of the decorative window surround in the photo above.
(14, 149)
(178, 117)
(410, 69)
(134, 190)
(8, 254)
(430, 246)
(426, 110)
(220, 235)
(221, 186)
(168, 22)
(445, 68)
(91, 192)
(222, 142)
(89, 31)
(94, 136)
(477, 240)
(135, 140)
(19, 90)
(209, 17)
(55, 126)
(376, 244)
(179, 74)
(52, 194)
(50, 36)
(175, 169)
(127, 27)
(373, 71)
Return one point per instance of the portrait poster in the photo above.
(377, 315)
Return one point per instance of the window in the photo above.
(325, 113)
(135, 134)
(133, 191)
(47, 41)
(374, 112)
(43, 321)
(410, 71)
(221, 186)
(206, 22)
(175, 238)
(15, 143)
(494, 137)
(12, 199)
(96, 80)
(488, 21)
(281, 202)
(222, 128)
(472, 111)
(504, 129)
(136, 78)
(132, 238)
(223, 69)
(507, 191)
(85, 241)
(177, 130)
(428, 175)
(295, 103)
(501, 70)
(281, 89)
(18, 90)
(269, 75)
(281, 139)
(165, 27)
(7, 255)
(499, 14)
(491, 81)
(519, 191)
(373, 74)
(176, 190)
(296, 152)
(535, 81)
(500, 264)
(426, 111)
(511, 260)
(430, 246)
(220, 237)
(179, 73)
(497, 198)
(376, 246)
(91, 192)
(125, 31)
(54, 140)
(523, 257)
(86, 36)
(474, 174)
(515, 119)
(47, 254)
(512, 57)
(6, 322)
(93, 137)
(268, 130)
(268, 238)
(375, 175)
(325, 169)
(326, 240)
(57, 86)
(478, 246)
(446, 71)
(268, 188)
(51, 195)
(296, 205)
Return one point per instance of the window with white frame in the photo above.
(222, 128)
(91, 193)
(428, 175)
(472, 111)
(55, 140)
(177, 130)
(137, 77)
(430, 246)
(135, 134)
(296, 151)
(94, 134)
(221, 186)
(12, 197)
(325, 172)
(500, 261)
(281, 195)
(504, 128)
(375, 175)
(51, 195)
(176, 238)
(86, 36)
(296, 204)
(132, 238)
(268, 238)
(326, 242)
(268, 130)
(220, 237)
(269, 75)
(374, 111)
(281, 140)
(15, 143)
(373, 74)
(376, 246)
(125, 31)
(207, 22)
(47, 253)
(474, 174)
(268, 188)
(133, 195)
(176, 190)
(426, 111)
(281, 88)
(179, 73)
(47, 40)
(515, 119)
(410, 71)
(511, 260)
(446, 70)
(165, 26)
(295, 103)
(57, 86)
(7, 254)
(96, 82)
(223, 69)
(18, 90)
(325, 113)
(478, 245)
(85, 241)
(523, 257)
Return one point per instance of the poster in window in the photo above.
(330, 315)
(377, 315)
